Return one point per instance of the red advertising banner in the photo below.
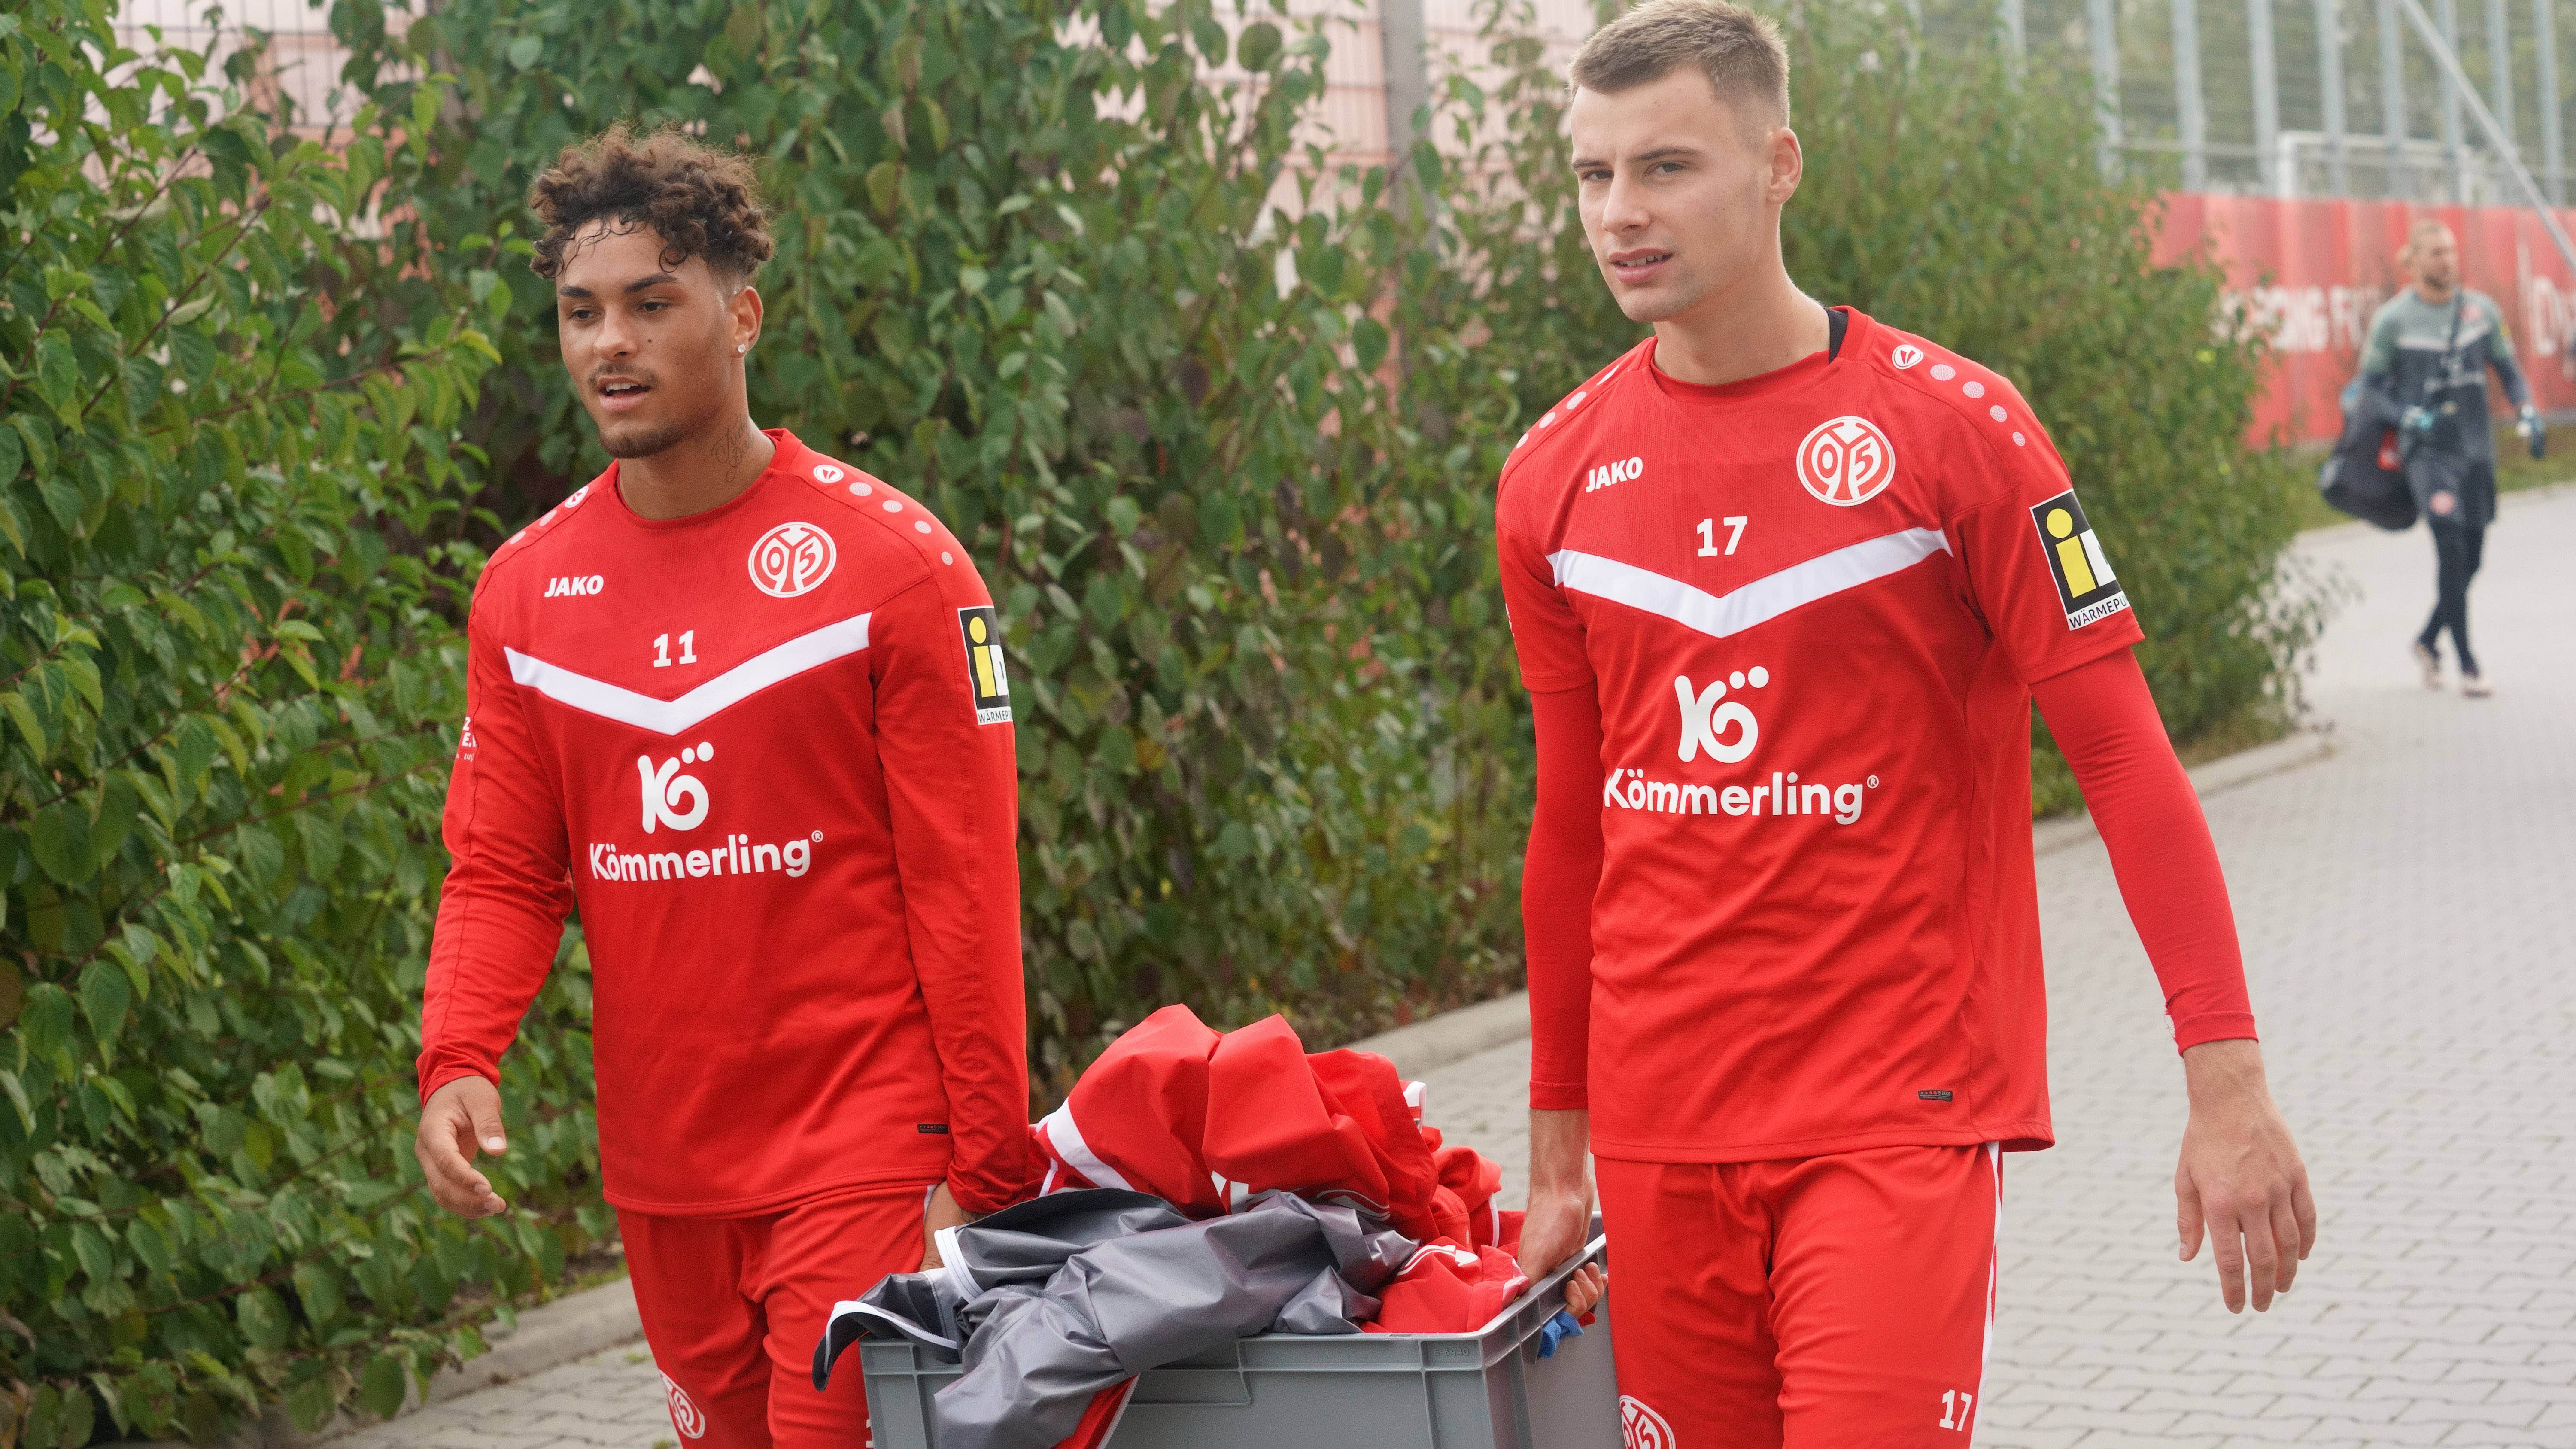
(2315, 270)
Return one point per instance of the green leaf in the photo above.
(1368, 343)
(1210, 36)
(17, 1094)
(46, 1025)
(525, 51)
(320, 837)
(319, 1291)
(91, 1248)
(381, 1388)
(58, 377)
(882, 179)
(32, 431)
(262, 1318)
(1257, 50)
(24, 715)
(60, 837)
(309, 1404)
(106, 995)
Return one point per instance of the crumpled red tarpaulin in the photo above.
(1204, 1120)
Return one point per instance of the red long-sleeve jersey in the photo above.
(1784, 636)
(767, 750)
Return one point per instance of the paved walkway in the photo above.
(2406, 912)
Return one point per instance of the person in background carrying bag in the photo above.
(2424, 374)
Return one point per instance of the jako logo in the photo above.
(1846, 460)
(1643, 1428)
(792, 559)
(564, 588)
(1609, 473)
(664, 789)
(1704, 718)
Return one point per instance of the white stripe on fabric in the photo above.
(1048, 1184)
(952, 1267)
(670, 716)
(1759, 602)
(896, 1321)
(1066, 1138)
(1994, 1271)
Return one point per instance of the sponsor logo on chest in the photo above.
(675, 804)
(1726, 731)
(574, 586)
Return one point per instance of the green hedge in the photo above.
(229, 679)
(1273, 752)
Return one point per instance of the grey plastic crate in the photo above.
(1483, 1390)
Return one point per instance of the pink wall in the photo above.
(2315, 270)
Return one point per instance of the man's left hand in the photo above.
(2240, 1177)
(943, 1212)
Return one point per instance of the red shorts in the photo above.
(1814, 1303)
(732, 1308)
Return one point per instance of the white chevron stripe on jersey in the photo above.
(670, 716)
(1758, 602)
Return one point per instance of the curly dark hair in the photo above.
(701, 201)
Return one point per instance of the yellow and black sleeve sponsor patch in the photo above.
(2085, 583)
(986, 679)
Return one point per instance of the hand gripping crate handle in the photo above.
(1540, 1301)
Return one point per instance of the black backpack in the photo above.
(2364, 476)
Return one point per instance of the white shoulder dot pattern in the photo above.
(923, 526)
(1996, 412)
(1943, 372)
(861, 489)
(949, 558)
(893, 505)
(1973, 388)
(2019, 441)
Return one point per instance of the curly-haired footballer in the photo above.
(744, 705)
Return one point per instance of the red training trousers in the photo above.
(732, 1308)
(1816, 1303)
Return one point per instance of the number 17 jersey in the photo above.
(1812, 604)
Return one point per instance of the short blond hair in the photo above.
(1740, 53)
(2415, 234)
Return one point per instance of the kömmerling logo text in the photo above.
(680, 802)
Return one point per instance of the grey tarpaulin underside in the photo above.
(1049, 1301)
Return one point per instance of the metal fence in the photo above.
(2275, 97)
(2301, 97)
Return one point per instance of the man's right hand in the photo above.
(1559, 1220)
(460, 1119)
